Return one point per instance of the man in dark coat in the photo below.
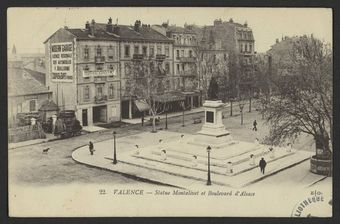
(254, 125)
(262, 165)
(91, 148)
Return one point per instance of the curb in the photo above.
(44, 141)
(315, 182)
(134, 177)
(275, 172)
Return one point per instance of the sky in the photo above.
(28, 28)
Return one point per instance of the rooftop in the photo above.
(21, 82)
(144, 33)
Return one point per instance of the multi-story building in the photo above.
(238, 41)
(83, 72)
(88, 68)
(185, 66)
(140, 43)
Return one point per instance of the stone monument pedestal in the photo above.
(213, 132)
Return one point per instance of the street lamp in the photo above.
(183, 107)
(209, 179)
(166, 118)
(114, 148)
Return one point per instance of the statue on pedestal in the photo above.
(213, 89)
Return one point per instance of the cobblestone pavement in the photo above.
(28, 165)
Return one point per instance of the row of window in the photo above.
(184, 39)
(100, 67)
(32, 106)
(246, 47)
(144, 51)
(128, 68)
(181, 53)
(245, 35)
(185, 67)
(112, 92)
(99, 52)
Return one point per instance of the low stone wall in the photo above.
(25, 133)
(321, 166)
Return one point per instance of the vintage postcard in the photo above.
(154, 111)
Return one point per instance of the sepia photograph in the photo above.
(170, 112)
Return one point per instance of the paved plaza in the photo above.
(147, 163)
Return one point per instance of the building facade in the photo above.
(83, 73)
(238, 42)
(88, 69)
(141, 43)
(185, 66)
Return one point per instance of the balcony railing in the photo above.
(137, 56)
(99, 79)
(188, 73)
(160, 57)
(99, 59)
(187, 59)
(100, 99)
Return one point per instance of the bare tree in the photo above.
(147, 84)
(303, 94)
(241, 103)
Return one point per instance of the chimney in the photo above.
(137, 25)
(109, 26)
(165, 25)
(217, 22)
(93, 28)
(277, 40)
(116, 29)
(245, 24)
(87, 25)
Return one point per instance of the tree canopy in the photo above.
(302, 101)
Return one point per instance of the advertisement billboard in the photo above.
(62, 62)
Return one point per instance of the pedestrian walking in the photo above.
(272, 152)
(229, 167)
(262, 165)
(254, 125)
(91, 148)
(194, 161)
(252, 160)
(163, 155)
(289, 147)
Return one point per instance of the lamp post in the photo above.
(209, 178)
(183, 109)
(114, 148)
(166, 119)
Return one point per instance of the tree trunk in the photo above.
(241, 117)
(231, 108)
(249, 104)
(166, 119)
(154, 130)
(183, 119)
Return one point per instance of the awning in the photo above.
(142, 105)
(190, 93)
(170, 97)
